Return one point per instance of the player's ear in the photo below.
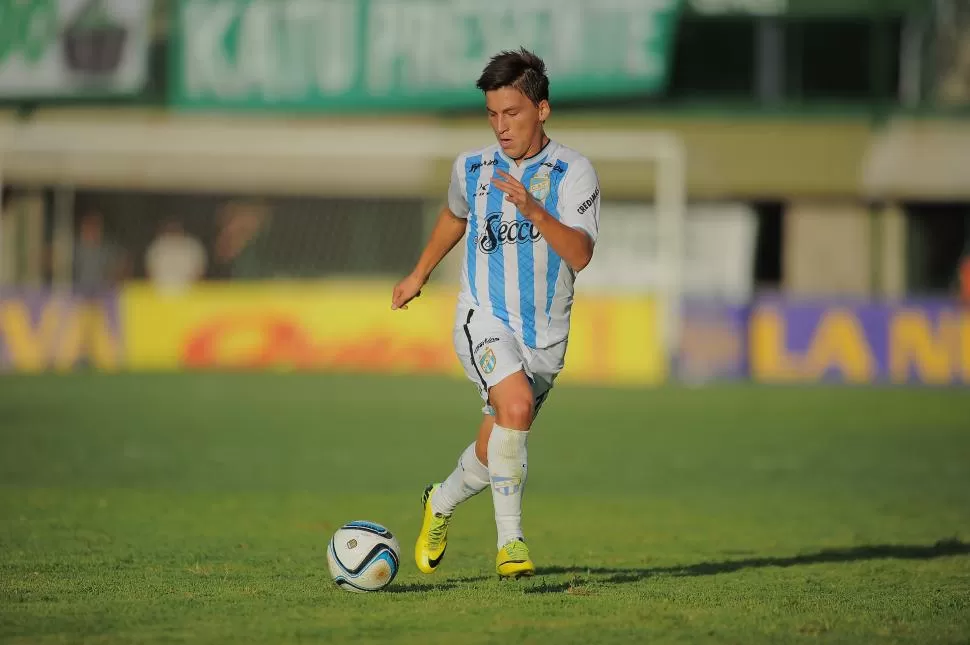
(544, 110)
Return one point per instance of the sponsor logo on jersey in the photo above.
(498, 232)
(589, 202)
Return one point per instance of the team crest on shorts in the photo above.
(487, 361)
(539, 187)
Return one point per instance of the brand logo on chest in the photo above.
(498, 232)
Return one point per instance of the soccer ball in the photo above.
(363, 556)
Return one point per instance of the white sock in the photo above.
(507, 468)
(468, 479)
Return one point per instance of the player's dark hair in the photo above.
(521, 69)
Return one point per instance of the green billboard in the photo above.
(350, 55)
(73, 48)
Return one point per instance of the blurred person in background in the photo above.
(530, 209)
(175, 259)
(99, 263)
(238, 251)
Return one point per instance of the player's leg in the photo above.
(485, 430)
(469, 478)
(517, 399)
(508, 468)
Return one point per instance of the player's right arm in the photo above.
(448, 230)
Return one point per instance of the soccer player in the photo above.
(528, 208)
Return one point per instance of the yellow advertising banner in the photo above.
(349, 326)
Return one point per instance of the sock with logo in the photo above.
(507, 469)
(469, 478)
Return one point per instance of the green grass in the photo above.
(180, 508)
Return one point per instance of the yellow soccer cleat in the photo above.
(513, 560)
(433, 538)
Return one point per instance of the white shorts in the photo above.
(489, 352)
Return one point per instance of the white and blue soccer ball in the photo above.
(363, 556)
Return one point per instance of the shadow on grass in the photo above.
(940, 549)
(471, 579)
(414, 587)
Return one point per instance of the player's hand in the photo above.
(405, 291)
(516, 193)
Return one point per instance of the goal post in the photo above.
(666, 151)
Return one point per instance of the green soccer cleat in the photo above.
(513, 560)
(433, 538)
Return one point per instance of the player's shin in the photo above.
(507, 468)
(469, 478)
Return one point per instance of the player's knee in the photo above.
(517, 413)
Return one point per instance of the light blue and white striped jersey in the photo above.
(509, 271)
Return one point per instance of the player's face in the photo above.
(516, 121)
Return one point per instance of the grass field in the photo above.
(161, 509)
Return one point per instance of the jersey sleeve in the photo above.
(581, 200)
(457, 200)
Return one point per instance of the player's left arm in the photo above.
(573, 235)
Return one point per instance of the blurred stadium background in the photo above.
(197, 188)
(201, 184)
